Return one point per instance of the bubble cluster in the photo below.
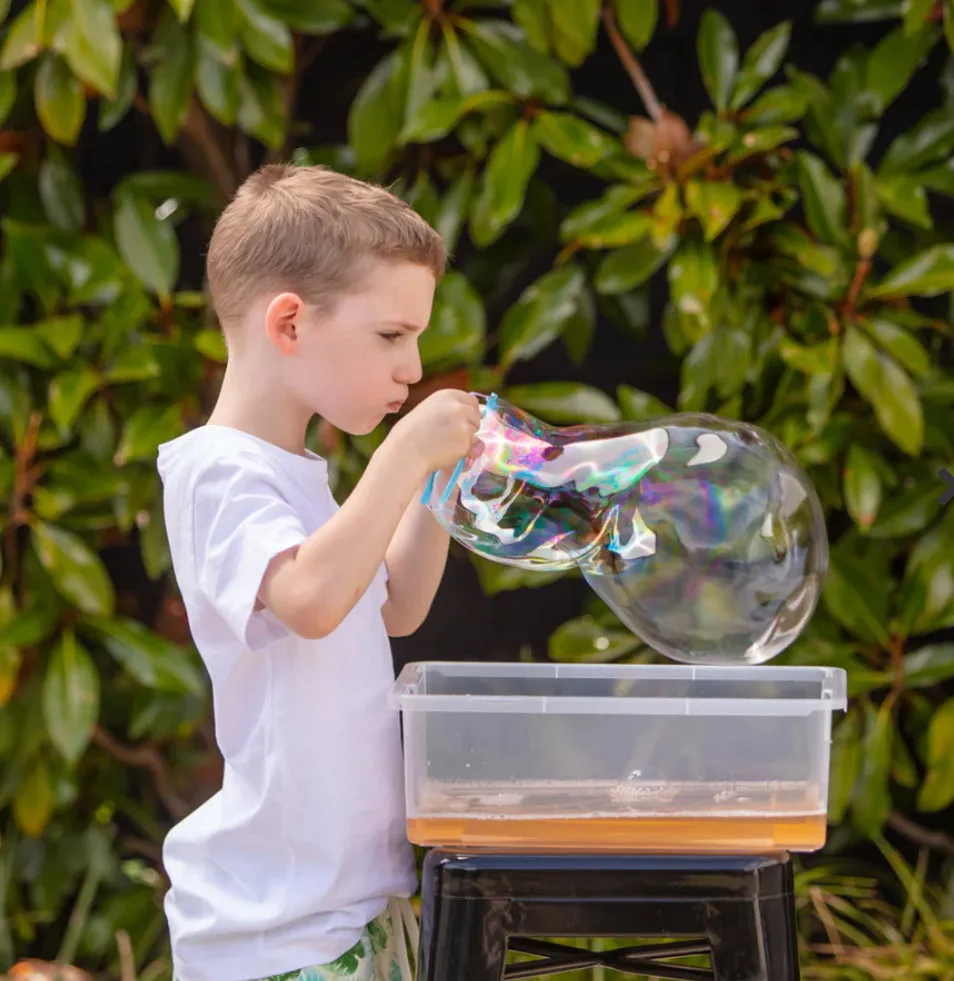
(702, 534)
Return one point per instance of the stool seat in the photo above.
(477, 906)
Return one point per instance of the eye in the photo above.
(390, 336)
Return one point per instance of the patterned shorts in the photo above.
(381, 953)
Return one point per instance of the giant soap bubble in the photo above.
(703, 535)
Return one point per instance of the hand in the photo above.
(439, 431)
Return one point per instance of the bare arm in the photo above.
(416, 559)
(313, 588)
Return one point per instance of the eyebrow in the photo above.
(411, 328)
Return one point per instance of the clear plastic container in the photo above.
(634, 758)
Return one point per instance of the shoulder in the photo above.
(212, 456)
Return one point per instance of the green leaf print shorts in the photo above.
(381, 953)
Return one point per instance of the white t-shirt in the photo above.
(306, 840)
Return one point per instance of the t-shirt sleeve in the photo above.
(241, 522)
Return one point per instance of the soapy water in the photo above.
(702, 534)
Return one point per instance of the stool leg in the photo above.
(754, 941)
(463, 940)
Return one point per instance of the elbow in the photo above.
(311, 620)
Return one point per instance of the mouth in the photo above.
(395, 406)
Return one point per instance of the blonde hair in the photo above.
(312, 231)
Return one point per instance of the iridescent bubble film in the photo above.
(703, 535)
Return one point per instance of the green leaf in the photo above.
(714, 203)
(564, 402)
(903, 196)
(76, 571)
(928, 141)
(855, 600)
(585, 641)
(916, 13)
(929, 666)
(23, 42)
(637, 20)
(261, 113)
(887, 388)
(171, 81)
(150, 659)
(862, 487)
(436, 118)
(11, 659)
(540, 315)
(845, 765)
(26, 344)
(856, 11)
(211, 344)
(900, 343)
(458, 326)
(926, 600)
(640, 406)
(937, 791)
(217, 83)
(70, 697)
(495, 578)
(112, 112)
(7, 162)
(595, 223)
(183, 8)
(892, 63)
(628, 267)
(758, 141)
(929, 273)
(377, 113)
(61, 191)
(33, 803)
(217, 22)
(907, 513)
(452, 211)
(939, 179)
(573, 139)
(504, 186)
(312, 16)
(872, 795)
(718, 51)
(515, 64)
(783, 104)
(574, 25)
(267, 40)
(147, 244)
(8, 94)
(760, 63)
(93, 48)
(69, 392)
(533, 17)
(698, 373)
(146, 429)
(693, 278)
(815, 359)
(59, 99)
(824, 199)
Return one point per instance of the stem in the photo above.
(80, 913)
(126, 959)
(148, 758)
(858, 280)
(633, 68)
(937, 840)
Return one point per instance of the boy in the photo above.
(322, 285)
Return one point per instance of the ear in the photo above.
(282, 320)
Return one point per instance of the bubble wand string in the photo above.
(490, 406)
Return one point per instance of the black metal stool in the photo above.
(476, 907)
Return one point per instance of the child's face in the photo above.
(356, 365)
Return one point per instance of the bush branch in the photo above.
(147, 758)
(925, 837)
(633, 68)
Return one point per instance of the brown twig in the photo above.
(925, 837)
(858, 280)
(633, 68)
(127, 962)
(147, 758)
(198, 129)
(25, 475)
(672, 12)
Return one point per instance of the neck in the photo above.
(251, 400)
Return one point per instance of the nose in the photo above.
(410, 372)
